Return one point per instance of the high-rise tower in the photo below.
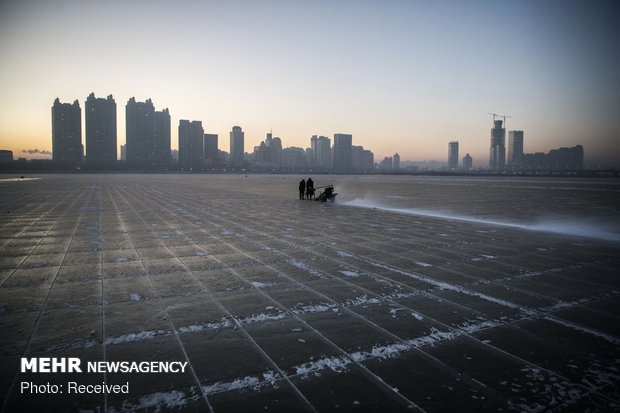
(67, 132)
(147, 134)
(159, 154)
(320, 152)
(210, 148)
(497, 157)
(140, 118)
(453, 155)
(467, 162)
(191, 150)
(515, 149)
(236, 147)
(100, 116)
(396, 161)
(313, 158)
(343, 159)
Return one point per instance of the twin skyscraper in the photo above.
(148, 143)
(147, 133)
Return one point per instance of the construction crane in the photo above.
(500, 116)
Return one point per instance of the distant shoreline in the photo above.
(594, 173)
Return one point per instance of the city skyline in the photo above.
(150, 146)
(400, 77)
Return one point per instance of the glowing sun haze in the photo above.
(400, 76)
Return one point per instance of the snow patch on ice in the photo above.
(471, 327)
(340, 363)
(186, 214)
(317, 308)
(392, 350)
(417, 316)
(564, 304)
(172, 400)
(393, 311)
(446, 286)
(271, 377)
(423, 264)
(258, 284)
(397, 295)
(268, 378)
(303, 266)
(208, 326)
(3, 180)
(395, 349)
(363, 299)
(343, 254)
(233, 385)
(141, 336)
(545, 385)
(262, 317)
(347, 273)
(191, 328)
(337, 364)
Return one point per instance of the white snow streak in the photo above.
(305, 267)
(172, 400)
(268, 377)
(141, 336)
(352, 274)
(258, 284)
(571, 227)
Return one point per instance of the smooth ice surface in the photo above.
(408, 293)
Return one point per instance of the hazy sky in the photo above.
(400, 76)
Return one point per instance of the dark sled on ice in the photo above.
(327, 194)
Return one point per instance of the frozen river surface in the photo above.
(407, 294)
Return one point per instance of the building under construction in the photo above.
(497, 157)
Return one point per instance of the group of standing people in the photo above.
(306, 189)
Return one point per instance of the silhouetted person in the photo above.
(302, 189)
(309, 189)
